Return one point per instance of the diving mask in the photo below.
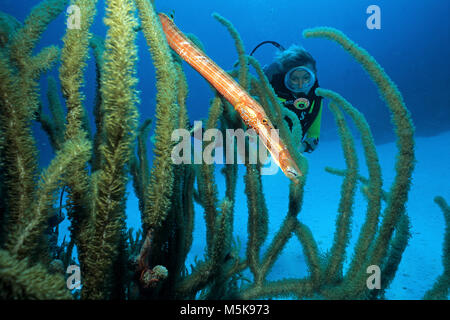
(299, 80)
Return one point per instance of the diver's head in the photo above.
(300, 80)
(299, 69)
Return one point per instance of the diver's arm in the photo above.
(311, 139)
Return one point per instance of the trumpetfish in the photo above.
(248, 108)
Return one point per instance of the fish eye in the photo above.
(264, 121)
(293, 172)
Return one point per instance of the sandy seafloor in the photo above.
(421, 263)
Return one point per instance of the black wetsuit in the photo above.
(306, 115)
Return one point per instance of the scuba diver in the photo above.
(293, 76)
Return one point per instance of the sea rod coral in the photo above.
(92, 166)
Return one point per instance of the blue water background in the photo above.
(412, 46)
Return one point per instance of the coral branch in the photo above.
(161, 178)
(441, 287)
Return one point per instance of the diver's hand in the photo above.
(309, 145)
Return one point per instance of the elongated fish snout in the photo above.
(293, 174)
(289, 167)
